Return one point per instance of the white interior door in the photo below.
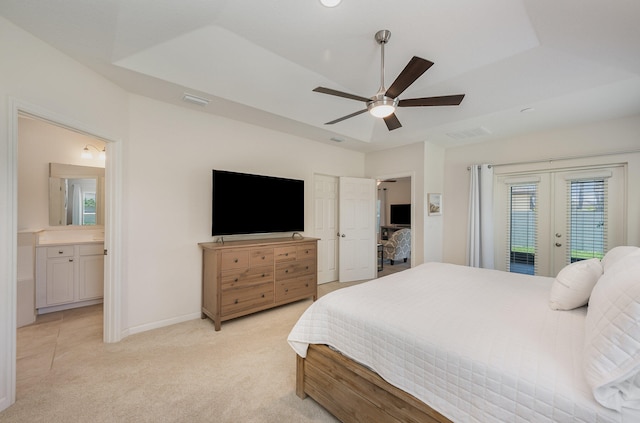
(326, 226)
(357, 241)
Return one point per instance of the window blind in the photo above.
(587, 219)
(522, 226)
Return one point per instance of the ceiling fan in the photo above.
(384, 103)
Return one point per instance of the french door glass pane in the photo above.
(522, 228)
(587, 219)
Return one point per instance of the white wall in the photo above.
(600, 138)
(168, 162)
(41, 143)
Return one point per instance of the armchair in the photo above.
(398, 246)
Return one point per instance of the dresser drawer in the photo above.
(305, 252)
(247, 277)
(293, 269)
(235, 259)
(285, 253)
(261, 257)
(301, 287)
(238, 300)
(61, 251)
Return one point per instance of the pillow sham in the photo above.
(615, 254)
(574, 283)
(612, 335)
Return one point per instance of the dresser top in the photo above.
(254, 243)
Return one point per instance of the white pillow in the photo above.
(615, 254)
(574, 283)
(612, 336)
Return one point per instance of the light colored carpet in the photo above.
(182, 373)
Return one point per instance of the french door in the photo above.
(550, 219)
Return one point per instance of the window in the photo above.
(522, 229)
(88, 208)
(586, 219)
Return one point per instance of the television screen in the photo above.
(400, 214)
(244, 204)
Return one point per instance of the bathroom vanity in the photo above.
(69, 269)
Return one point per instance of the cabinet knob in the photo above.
(60, 252)
(262, 295)
(306, 268)
(263, 257)
(235, 280)
(263, 275)
(286, 271)
(235, 260)
(286, 254)
(235, 302)
(70, 260)
(286, 290)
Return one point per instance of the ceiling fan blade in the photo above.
(329, 91)
(346, 117)
(445, 100)
(416, 67)
(392, 122)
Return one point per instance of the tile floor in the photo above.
(50, 338)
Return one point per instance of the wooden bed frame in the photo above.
(353, 393)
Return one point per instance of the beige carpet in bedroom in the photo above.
(182, 373)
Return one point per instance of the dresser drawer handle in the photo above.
(235, 260)
(70, 260)
(286, 271)
(235, 302)
(235, 280)
(262, 295)
(263, 275)
(263, 257)
(286, 254)
(306, 268)
(60, 252)
(286, 290)
(307, 285)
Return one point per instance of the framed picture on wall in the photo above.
(435, 204)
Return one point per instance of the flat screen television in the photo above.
(248, 204)
(400, 214)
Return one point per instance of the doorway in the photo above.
(395, 210)
(112, 275)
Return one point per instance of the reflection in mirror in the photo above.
(76, 195)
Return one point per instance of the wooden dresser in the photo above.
(243, 277)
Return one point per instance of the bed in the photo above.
(447, 343)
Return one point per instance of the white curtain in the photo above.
(76, 205)
(480, 226)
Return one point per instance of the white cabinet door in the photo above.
(91, 277)
(59, 280)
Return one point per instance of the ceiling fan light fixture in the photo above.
(330, 3)
(382, 106)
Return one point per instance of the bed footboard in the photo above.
(353, 393)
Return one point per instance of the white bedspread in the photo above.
(476, 345)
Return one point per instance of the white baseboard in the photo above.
(160, 324)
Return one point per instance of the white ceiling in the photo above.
(572, 61)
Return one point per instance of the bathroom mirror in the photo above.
(76, 195)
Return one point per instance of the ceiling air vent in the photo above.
(469, 133)
(200, 101)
